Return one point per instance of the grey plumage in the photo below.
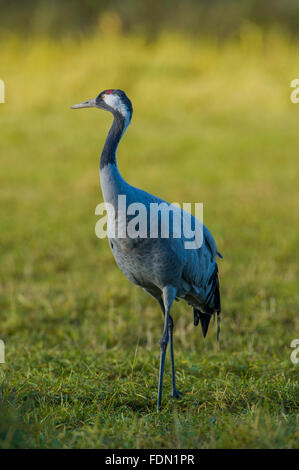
(163, 267)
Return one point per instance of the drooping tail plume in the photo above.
(204, 319)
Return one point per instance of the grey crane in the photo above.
(162, 266)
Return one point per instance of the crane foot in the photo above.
(176, 394)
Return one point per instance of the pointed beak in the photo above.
(85, 104)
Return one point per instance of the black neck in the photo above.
(109, 151)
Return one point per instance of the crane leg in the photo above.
(174, 391)
(169, 293)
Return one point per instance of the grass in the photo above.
(213, 123)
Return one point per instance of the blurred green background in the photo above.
(149, 17)
(213, 123)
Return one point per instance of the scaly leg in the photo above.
(174, 392)
(169, 293)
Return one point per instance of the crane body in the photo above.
(163, 267)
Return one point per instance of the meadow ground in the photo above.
(213, 123)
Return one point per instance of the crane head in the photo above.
(113, 100)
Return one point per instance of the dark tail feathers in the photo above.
(204, 319)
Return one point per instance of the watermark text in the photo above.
(150, 220)
(2, 352)
(2, 91)
(295, 354)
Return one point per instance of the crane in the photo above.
(162, 266)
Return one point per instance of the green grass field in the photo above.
(212, 123)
